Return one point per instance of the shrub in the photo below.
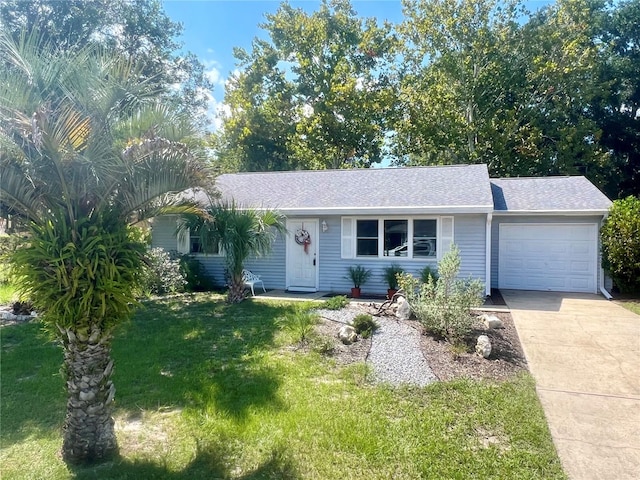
(391, 275)
(427, 272)
(443, 305)
(365, 325)
(195, 276)
(162, 273)
(299, 324)
(620, 236)
(336, 303)
(358, 275)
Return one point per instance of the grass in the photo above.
(7, 293)
(208, 390)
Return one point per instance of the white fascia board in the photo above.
(550, 212)
(444, 210)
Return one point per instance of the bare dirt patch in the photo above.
(446, 361)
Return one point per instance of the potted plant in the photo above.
(359, 276)
(391, 276)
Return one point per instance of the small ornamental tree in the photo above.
(444, 305)
(620, 237)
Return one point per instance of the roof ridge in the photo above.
(372, 169)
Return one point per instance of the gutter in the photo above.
(603, 290)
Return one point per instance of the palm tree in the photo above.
(85, 153)
(238, 233)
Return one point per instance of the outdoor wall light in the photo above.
(325, 227)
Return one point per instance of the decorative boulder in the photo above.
(483, 347)
(347, 335)
(491, 321)
(404, 310)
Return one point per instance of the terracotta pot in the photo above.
(355, 292)
(391, 292)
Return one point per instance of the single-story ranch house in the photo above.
(512, 233)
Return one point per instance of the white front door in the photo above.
(302, 255)
(555, 257)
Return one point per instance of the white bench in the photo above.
(250, 279)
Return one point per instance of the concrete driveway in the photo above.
(584, 352)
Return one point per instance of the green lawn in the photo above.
(208, 390)
(7, 293)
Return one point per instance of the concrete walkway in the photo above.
(584, 353)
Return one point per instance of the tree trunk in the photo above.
(236, 290)
(89, 433)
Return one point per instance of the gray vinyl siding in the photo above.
(163, 233)
(469, 235)
(499, 220)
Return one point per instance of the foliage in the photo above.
(198, 368)
(300, 324)
(443, 305)
(428, 272)
(239, 233)
(391, 273)
(620, 237)
(136, 29)
(364, 324)
(336, 303)
(87, 151)
(315, 94)
(162, 273)
(195, 275)
(359, 275)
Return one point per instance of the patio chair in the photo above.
(250, 279)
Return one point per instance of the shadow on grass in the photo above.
(208, 463)
(181, 353)
(32, 401)
(188, 352)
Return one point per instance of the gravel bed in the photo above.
(396, 355)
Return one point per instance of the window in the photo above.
(412, 238)
(194, 244)
(367, 238)
(424, 238)
(396, 234)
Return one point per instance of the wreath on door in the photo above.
(303, 238)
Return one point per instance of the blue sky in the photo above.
(212, 28)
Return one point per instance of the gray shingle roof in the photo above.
(548, 194)
(458, 188)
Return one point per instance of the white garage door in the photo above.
(555, 257)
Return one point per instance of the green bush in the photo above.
(427, 272)
(620, 237)
(444, 305)
(391, 273)
(162, 273)
(365, 325)
(195, 275)
(336, 303)
(300, 324)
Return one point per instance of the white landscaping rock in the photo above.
(491, 321)
(347, 334)
(404, 310)
(483, 347)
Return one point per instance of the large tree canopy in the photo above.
(138, 29)
(316, 95)
(552, 95)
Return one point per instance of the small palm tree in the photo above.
(238, 233)
(85, 153)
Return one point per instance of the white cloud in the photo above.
(212, 72)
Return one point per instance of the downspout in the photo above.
(488, 254)
(603, 290)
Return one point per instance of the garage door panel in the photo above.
(556, 257)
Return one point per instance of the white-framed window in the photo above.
(420, 238)
(189, 243)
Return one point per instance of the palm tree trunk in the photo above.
(236, 290)
(89, 433)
